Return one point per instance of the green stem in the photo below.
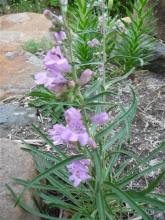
(69, 35)
(80, 96)
(104, 44)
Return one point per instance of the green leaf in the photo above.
(57, 202)
(118, 79)
(139, 197)
(29, 209)
(100, 205)
(119, 118)
(48, 141)
(49, 171)
(133, 177)
(125, 197)
(153, 184)
(98, 96)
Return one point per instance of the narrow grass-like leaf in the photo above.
(29, 209)
(125, 197)
(49, 171)
(121, 117)
(118, 79)
(48, 141)
(133, 177)
(147, 200)
(153, 184)
(57, 202)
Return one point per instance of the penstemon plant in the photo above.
(89, 171)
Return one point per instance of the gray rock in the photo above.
(34, 60)
(12, 116)
(19, 18)
(157, 65)
(159, 50)
(10, 55)
(14, 163)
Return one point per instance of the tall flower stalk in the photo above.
(89, 169)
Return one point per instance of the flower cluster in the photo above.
(74, 132)
(93, 43)
(56, 66)
(71, 134)
(79, 171)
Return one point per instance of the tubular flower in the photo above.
(54, 60)
(72, 115)
(93, 43)
(74, 131)
(60, 36)
(100, 118)
(56, 132)
(52, 80)
(86, 76)
(79, 171)
(48, 14)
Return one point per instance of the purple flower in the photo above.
(100, 118)
(60, 36)
(72, 115)
(55, 134)
(79, 171)
(48, 14)
(74, 132)
(54, 60)
(40, 78)
(75, 124)
(43, 78)
(86, 76)
(93, 43)
(52, 80)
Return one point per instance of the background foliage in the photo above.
(109, 194)
(39, 5)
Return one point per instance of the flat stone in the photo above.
(17, 70)
(14, 162)
(18, 28)
(14, 116)
(10, 55)
(20, 17)
(157, 65)
(17, 67)
(161, 19)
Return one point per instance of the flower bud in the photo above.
(71, 84)
(48, 14)
(86, 76)
(93, 43)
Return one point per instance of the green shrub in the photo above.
(34, 46)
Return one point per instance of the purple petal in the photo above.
(100, 118)
(86, 76)
(40, 78)
(83, 138)
(69, 136)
